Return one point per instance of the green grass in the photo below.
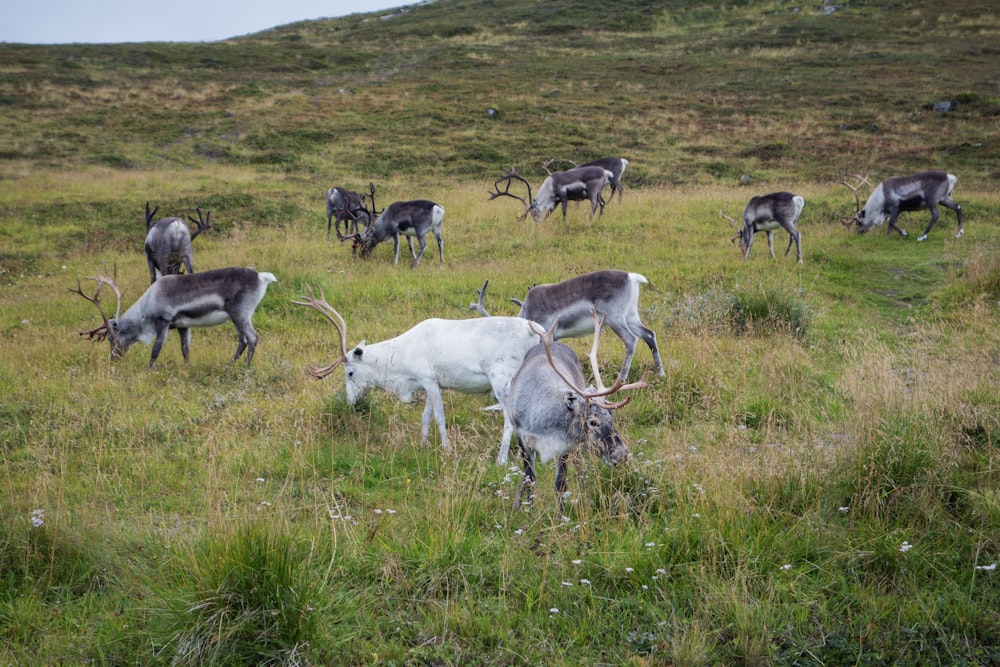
(813, 482)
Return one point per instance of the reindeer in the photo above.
(348, 207)
(904, 193)
(617, 166)
(470, 356)
(765, 213)
(168, 243)
(403, 218)
(560, 187)
(553, 414)
(181, 302)
(613, 294)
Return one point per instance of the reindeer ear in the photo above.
(358, 351)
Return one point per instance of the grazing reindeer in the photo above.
(168, 239)
(470, 356)
(560, 187)
(613, 294)
(348, 207)
(906, 193)
(181, 302)
(403, 218)
(553, 414)
(766, 213)
(616, 165)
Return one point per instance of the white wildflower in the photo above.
(786, 567)
(260, 480)
(905, 546)
(586, 582)
(844, 509)
(988, 568)
(629, 570)
(554, 610)
(37, 518)
(576, 561)
(567, 584)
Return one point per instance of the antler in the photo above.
(551, 160)
(478, 306)
(101, 332)
(618, 385)
(863, 180)
(508, 176)
(735, 224)
(203, 224)
(327, 311)
(149, 216)
(371, 189)
(547, 337)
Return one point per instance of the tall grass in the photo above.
(814, 481)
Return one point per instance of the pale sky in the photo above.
(110, 21)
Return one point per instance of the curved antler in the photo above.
(863, 180)
(478, 305)
(547, 337)
(735, 224)
(149, 216)
(202, 223)
(508, 176)
(101, 332)
(327, 311)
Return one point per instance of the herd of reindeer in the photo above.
(538, 383)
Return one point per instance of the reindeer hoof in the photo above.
(904, 233)
(922, 238)
(959, 234)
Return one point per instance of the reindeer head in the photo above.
(358, 374)
(858, 217)
(590, 417)
(111, 329)
(509, 175)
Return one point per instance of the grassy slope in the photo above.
(159, 488)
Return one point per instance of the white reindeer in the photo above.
(470, 356)
(906, 193)
(182, 302)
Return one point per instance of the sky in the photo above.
(112, 21)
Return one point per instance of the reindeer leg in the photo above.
(561, 479)
(185, 335)
(161, 335)
(247, 338)
(630, 339)
(440, 243)
(934, 219)
(395, 246)
(793, 235)
(893, 214)
(528, 455)
(649, 337)
(423, 247)
(409, 243)
(770, 242)
(433, 407)
(746, 251)
(948, 202)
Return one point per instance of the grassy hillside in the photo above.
(815, 481)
